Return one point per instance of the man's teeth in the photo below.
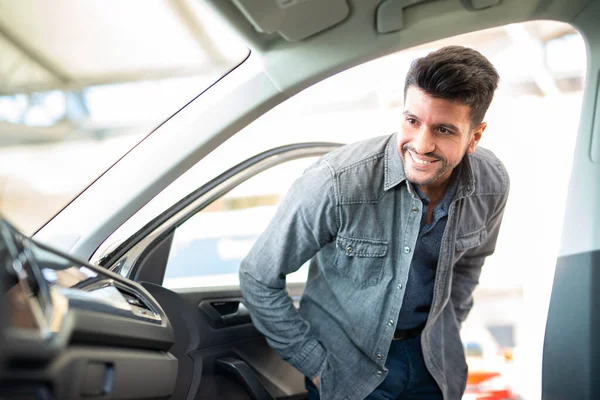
(419, 161)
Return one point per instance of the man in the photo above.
(398, 228)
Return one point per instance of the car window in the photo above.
(82, 82)
(207, 249)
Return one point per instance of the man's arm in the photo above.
(305, 221)
(467, 270)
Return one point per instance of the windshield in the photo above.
(82, 82)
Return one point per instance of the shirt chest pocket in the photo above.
(361, 259)
(471, 240)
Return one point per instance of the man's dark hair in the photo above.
(458, 74)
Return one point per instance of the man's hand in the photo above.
(315, 382)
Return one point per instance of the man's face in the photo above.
(434, 136)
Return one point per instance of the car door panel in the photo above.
(242, 342)
(201, 343)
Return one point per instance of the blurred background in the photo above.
(82, 82)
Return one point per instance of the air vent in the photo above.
(139, 306)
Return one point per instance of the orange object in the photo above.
(476, 377)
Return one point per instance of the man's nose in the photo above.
(423, 141)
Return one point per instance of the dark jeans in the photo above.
(407, 379)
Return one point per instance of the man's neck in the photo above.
(435, 193)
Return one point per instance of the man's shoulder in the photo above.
(491, 176)
(358, 170)
(358, 153)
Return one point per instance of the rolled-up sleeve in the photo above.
(305, 221)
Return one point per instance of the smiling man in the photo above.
(396, 229)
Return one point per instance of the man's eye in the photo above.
(411, 121)
(443, 130)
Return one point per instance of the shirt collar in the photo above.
(466, 184)
(394, 170)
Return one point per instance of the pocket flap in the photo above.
(362, 247)
(471, 240)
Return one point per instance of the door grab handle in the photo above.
(241, 372)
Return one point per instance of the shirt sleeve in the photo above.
(467, 270)
(305, 221)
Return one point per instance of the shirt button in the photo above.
(391, 322)
(415, 210)
(349, 249)
(407, 249)
(379, 356)
(399, 286)
(379, 372)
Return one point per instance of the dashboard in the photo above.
(71, 330)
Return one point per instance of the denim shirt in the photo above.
(357, 218)
(421, 276)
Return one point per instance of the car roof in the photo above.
(294, 63)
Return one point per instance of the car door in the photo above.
(188, 259)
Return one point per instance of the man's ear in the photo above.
(476, 137)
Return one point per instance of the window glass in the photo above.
(82, 82)
(207, 249)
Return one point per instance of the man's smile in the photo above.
(419, 161)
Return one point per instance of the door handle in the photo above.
(241, 372)
(226, 312)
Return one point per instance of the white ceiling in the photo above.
(78, 43)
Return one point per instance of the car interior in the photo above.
(81, 319)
